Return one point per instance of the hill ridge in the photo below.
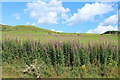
(23, 28)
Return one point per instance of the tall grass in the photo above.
(60, 53)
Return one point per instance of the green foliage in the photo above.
(38, 69)
(112, 32)
(4, 27)
(59, 55)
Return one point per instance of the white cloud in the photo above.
(88, 12)
(34, 24)
(102, 29)
(17, 16)
(60, 31)
(64, 16)
(52, 29)
(111, 20)
(46, 13)
(106, 25)
(79, 32)
(56, 30)
(28, 23)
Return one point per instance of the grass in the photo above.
(29, 51)
(45, 37)
(68, 72)
(13, 71)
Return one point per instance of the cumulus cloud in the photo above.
(111, 20)
(34, 24)
(64, 16)
(56, 30)
(79, 32)
(17, 16)
(106, 25)
(46, 13)
(88, 12)
(101, 29)
(28, 23)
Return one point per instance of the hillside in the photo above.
(31, 52)
(36, 29)
(112, 32)
(23, 28)
(4, 27)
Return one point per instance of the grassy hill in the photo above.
(4, 27)
(23, 28)
(30, 52)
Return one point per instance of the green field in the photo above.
(31, 52)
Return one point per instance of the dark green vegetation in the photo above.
(112, 32)
(29, 51)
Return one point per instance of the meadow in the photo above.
(31, 52)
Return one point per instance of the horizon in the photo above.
(67, 17)
(59, 31)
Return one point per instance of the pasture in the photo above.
(31, 52)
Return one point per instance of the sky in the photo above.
(68, 17)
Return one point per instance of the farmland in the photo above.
(31, 52)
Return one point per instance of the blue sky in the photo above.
(70, 17)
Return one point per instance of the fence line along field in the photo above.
(31, 52)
